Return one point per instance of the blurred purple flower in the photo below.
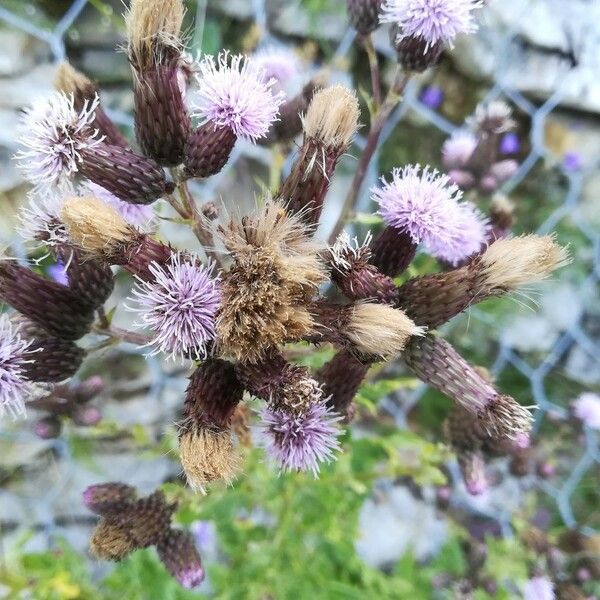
(538, 588)
(572, 161)
(205, 535)
(432, 96)
(510, 143)
(458, 148)
(301, 442)
(58, 273)
(587, 409)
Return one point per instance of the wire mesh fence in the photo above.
(537, 373)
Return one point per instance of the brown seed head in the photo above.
(94, 226)
(110, 542)
(208, 455)
(332, 117)
(276, 271)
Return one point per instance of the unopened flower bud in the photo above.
(53, 360)
(162, 123)
(48, 428)
(52, 306)
(178, 553)
(364, 15)
(437, 363)
(109, 498)
(86, 416)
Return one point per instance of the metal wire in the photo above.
(536, 373)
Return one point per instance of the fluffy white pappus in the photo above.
(232, 93)
(53, 136)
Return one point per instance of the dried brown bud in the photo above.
(329, 127)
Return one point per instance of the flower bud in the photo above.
(53, 360)
(178, 553)
(48, 428)
(364, 15)
(109, 498)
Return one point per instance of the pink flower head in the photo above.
(54, 134)
(138, 215)
(14, 387)
(458, 149)
(539, 588)
(277, 62)
(435, 21)
(300, 443)
(587, 409)
(179, 305)
(232, 93)
(425, 204)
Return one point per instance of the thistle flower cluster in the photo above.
(129, 523)
(233, 316)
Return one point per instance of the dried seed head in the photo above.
(510, 263)
(332, 117)
(276, 271)
(110, 542)
(70, 81)
(94, 226)
(380, 330)
(208, 455)
(153, 26)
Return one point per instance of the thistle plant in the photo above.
(265, 282)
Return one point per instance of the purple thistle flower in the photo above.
(40, 221)
(179, 305)
(232, 93)
(14, 388)
(54, 134)
(587, 409)
(138, 215)
(276, 62)
(431, 20)
(425, 204)
(301, 442)
(470, 236)
(539, 588)
(458, 149)
(432, 97)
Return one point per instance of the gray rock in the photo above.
(529, 42)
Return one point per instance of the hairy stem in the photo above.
(367, 42)
(392, 99)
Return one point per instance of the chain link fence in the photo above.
(537, 373)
